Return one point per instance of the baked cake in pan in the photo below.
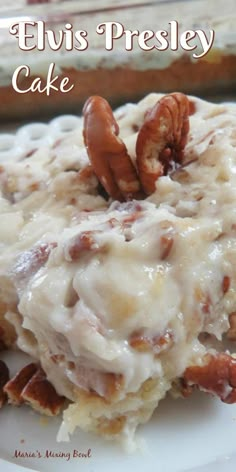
(119, 75)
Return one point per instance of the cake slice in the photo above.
(122, 268)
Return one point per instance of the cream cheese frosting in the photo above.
(92, 278)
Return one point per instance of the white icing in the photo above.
(87, 308)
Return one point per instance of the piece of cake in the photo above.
(118, 258)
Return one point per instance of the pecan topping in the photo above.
(15, 386)
(217, 376)
(225, 284)
(41, 395)
(166, 242)
(162, 138)
(159, 147)
(107, 152)
(31, 386)
(144, 343)
(83, 242)
(128, 221)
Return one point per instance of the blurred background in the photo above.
(118, 75)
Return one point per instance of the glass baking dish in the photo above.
(126, 71)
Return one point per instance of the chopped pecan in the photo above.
(144, 343)
(41, 395)
(217, 376)
(166, 243)
(31, 386)
(14, 387)
(128, 221)
(159, 148)
(204, 300)
(29, 262)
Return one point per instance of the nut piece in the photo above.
(14, 387)
(82, 243)
(41, 395)
(107, 152)
(31, 386)
(156, 344)
(159, 148)
(162, 138)
(225, 284)
(4, 377)
(217, 376)
(166, 239)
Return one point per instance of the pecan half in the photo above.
(31, 386)
(162, 138)
(14, 387)
(107, 152)
(225, 284)
(29, 262)
(41, 395)
(83, 242)
(156, 344)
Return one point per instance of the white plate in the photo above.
(198, 432)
